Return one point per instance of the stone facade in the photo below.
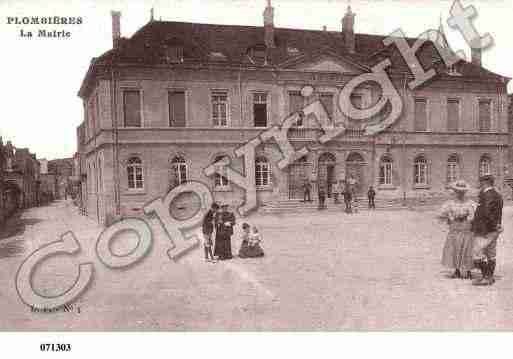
(124, 167)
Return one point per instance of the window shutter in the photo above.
(132, 108)
(177, 109)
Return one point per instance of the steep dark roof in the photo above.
(148, 46)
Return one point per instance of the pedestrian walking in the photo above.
(458, 213)
(335, 190)
(486, 227)
(348, 198)
(307, 189)
(208, 227)
(371, 194)
(322, 197)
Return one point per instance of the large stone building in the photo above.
(176, 97)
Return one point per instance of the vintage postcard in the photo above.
(255, 165)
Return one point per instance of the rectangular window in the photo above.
(485, 115)
(327, 101)
(260, 109)
(453, 114)
(220, 108)
(420, 123)
(176, 108)
(175, 54)
(296, 101)
(132, 108)
(356, 100)
(385, 173)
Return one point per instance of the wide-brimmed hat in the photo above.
(459, 186)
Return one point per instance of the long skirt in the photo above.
(223, 246)
(458, 247)
(247, 251)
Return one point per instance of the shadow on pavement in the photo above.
(12, 249)
(15, 225)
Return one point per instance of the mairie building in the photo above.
(176, 97)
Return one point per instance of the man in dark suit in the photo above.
(486, 226)
(225, 220)
(208, 230)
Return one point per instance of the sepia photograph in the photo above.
(256, 166)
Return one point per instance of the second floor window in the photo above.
(453, 114)
(296, 101)
(176, 108)
(485, 115)
(420, 121)
(260, 109)
(132, 108)
(326, 99)
(220, 108)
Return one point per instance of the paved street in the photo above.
(330, 271)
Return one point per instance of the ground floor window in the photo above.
(420, 171)
(221, 180)
(135, 173)
(262, 172)
(485, 166)
(385, 171)
(179, 170)
(453, 168)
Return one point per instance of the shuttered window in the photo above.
(420, 115)
(327, 101)
(260, 109)
(132, 108)
(485, 115)
(453, 115)
(176, 108)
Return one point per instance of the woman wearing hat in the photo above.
(458, 214)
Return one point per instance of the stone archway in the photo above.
(355, 170)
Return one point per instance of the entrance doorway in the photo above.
(326, 172)
(299, 171)
(355, 169)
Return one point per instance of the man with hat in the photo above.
(486, 226)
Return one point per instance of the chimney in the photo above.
(476, 52)
(269, 25)
(348, 30)
(116, 28)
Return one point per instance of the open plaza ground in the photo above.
(322, 271)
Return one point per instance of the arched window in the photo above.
(385, 170)
(221, 180)
(453, 168)
(420, 171)
(134, 171)
(179, 170)
(485, 166)
(262, 172)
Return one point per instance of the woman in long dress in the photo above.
(250, 247)
(458, 213)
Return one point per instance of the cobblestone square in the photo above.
(322, 271)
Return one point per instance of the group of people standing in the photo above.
(473, 231)
(218, 229)
(345, 188)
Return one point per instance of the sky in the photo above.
(41, 76)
